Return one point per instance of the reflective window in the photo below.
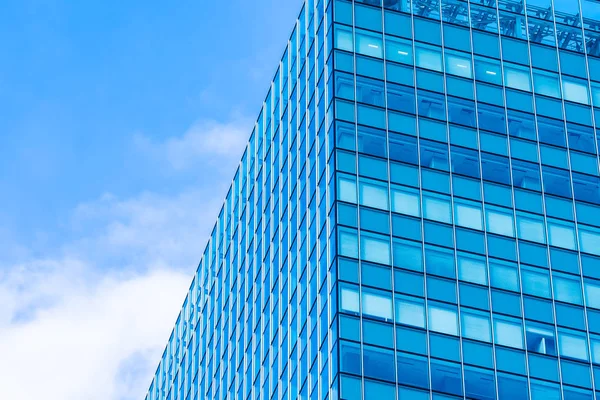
(410, 311)
(476, 325)
(406, 201)
(442, 318)
(508, 332)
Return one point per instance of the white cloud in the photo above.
(91, 321)
(210, 142)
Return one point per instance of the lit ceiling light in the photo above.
(374, 46)
(404, 53)
(461, 65)
(490, 73)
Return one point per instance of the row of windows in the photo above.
(443, 376)
(460, 64)
(521, 127)
(476, 325)
(471, 268)
(464, 187)
(468, 214)
(537, 27)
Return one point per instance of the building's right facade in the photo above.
(468, 198)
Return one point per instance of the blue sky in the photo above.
(80, 79)
(122, 123)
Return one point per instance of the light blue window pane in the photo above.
(595, 346)
(499, 221)
(488, 70)
(504, 275)
(468, 214)
(535, 281)
(589, 240)
(429, 57)
(369, 44)
(377, 304)
(566, 289)
(458, 64)
(375, 249)
(561, 234)
(348, 243)
(349, 299)
(575, 90)
(373, 194)
(410, 311)
(406, 201)
(546, 84)
(442, 319)
(508, 332)
(517, 77)
(398, 50)
(343, 38)
(592, 293)
(440, 261)
(531, 227)
(476, 325)
(572, 344)
(347, 189)
(437, 208)
(471, 269)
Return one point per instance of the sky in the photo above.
(121, 126)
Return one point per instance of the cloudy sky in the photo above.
(121, 125)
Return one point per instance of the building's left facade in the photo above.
(258, 321)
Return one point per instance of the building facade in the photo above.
(416, 214)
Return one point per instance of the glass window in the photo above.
(476, 325)
(504, 275)
(536, 281)
(458, 64)
(443, 319)
(437, 208)
(410, 311)
(572, 344)
(561, 234)
(592, 293)
(375, 249)
(540, 339)
(575, 90)
(508, 332)
(408, 255)
(531, 227)
(488, 70)
(589, 240)
(566, 288)
(468, 214)
(349, 299)
(406, 201)
(429, 57)
(440, 261)
(472, 269)
(546, 83)
(398, 50)
(517, 77)
(377, 304)
(369, 44)
(343, 38)
(348, 243)
(347, 189)
(499, 221)
(373, 194)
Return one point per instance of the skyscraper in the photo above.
(416, 214)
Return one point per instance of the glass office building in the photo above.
(416, 214)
